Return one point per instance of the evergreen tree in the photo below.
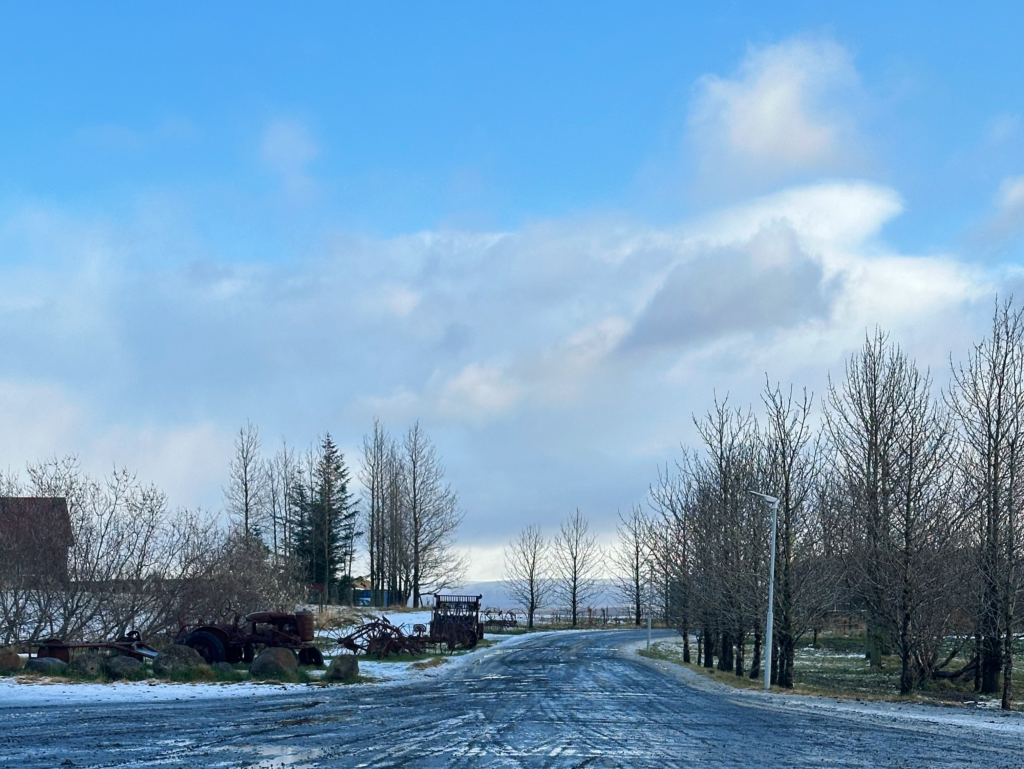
(326, 517)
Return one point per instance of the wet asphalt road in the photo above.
(560, 700)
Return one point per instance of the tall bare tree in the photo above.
(577, 563)
(988, 400)
(631, 561)
(864, 419)
(790, 473)
(434, 516)
(526, 571)
(245, 494)
(280, 473)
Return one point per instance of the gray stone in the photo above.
(124, 667)
(344, 667)
(49, 665)
(274, 662)
(10, 661)
(223, 668)
(87, 664)
(175, 660)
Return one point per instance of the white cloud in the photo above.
(401, 300)
(787, 110)
(288, 149)
(1006, 222)
(1011, 194)
(478, 391)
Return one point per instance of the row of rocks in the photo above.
(89, 664)
(271, 663)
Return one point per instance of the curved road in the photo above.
(553, 700)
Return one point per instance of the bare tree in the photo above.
(280, 474)
(790, 473)
(245, 495)
(381, 475)
(864, 419)
(434, 517)
(631, 562)
(730, 535)
(670, 532)
(526, 571)
(988, 400)
(577, 560)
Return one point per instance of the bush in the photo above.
(10, 661)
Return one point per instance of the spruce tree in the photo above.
(326, 515)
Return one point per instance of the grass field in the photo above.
(837, 667)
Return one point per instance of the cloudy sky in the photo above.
(550, 234)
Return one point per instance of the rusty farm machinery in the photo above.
(239, 640)
(128, 645)
(454, 624)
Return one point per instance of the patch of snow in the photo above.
(45, 691)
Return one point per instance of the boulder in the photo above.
(49, 665)
(123, 667)
(10, 661)
(344, 667)
(87, 664)
(176, 660)
(274, 662)
(223, 668)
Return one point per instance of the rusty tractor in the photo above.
(239, 641)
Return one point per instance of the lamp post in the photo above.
(770, 622)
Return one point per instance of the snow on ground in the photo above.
(25, 692)
(402, 619)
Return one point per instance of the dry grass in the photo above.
(837, 668)
(433, 662)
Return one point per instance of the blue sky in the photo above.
(551, 233)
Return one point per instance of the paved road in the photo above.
(560, 700)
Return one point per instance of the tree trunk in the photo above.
(977, 661)
(725, 661)
(991, 664)
(755, 662)
(1007, 702)
(740, 643)
(775, 661)
(906, 674)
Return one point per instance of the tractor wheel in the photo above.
(248, 653)
(208, 645)
(310, 655)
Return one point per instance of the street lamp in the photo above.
(774, 501)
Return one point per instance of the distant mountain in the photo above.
(495, 596)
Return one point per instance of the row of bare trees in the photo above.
(411, 516)
(565, 570)
(897, 503)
